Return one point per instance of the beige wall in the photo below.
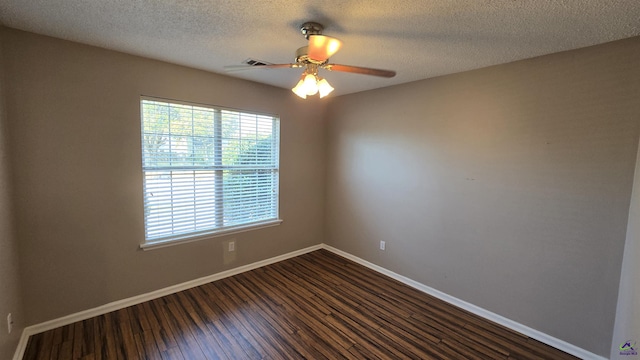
(627, 325)
(74, 122)
(507, 187)
(10, 300)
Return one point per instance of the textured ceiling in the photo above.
(417, 38)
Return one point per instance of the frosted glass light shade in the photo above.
(310, 84)
(299, 89)
(324, 88)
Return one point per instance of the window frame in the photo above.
(198, 235)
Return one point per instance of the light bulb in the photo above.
(310, 86)
(324, 88)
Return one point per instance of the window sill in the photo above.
(191, 238)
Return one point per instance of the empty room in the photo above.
(319, 180)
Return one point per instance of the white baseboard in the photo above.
(525, 330)
(120, 304)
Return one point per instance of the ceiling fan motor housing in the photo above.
(311, 28)
(302, 56)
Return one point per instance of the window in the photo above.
(207, 170)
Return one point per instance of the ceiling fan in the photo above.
(313, 57)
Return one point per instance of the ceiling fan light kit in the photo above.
(315, 56)
(311, 84)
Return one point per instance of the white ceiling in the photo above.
(417, 38)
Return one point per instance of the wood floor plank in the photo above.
(110, 337)
(125, 339)
(47, 345)
(33, 347)
(187, 342)
(219, 328)
(252, 320)
(138, 318)
(364, 344)
(99, 346)
(295, 302)
(57, 336)
(161, 331)
(215, 342)
(66, 350)
(79, 347)
(213, 347)
(146, 344)
(460, 351)
(314, 306)
(172, 354)
(284, 308)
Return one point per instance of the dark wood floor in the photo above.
(315, 306)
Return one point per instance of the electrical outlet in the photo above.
(232, 246)
(383, 245)
(9, 323)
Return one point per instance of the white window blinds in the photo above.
(206, 170)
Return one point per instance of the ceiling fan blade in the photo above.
(321, 47)
(231, 68)
(360, 70)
